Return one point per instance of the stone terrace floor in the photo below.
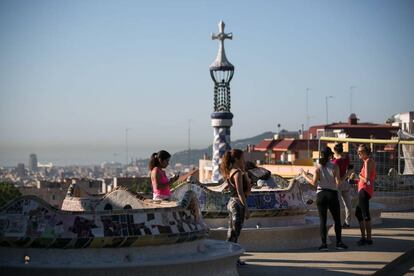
(391, 254)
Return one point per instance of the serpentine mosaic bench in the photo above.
(31, 222)
(262, 202)
(277, 216)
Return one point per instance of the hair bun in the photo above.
(327, 151)
(339, 147)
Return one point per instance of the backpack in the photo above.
(258, 173)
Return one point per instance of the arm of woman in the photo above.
(367, 171)
(315, 178)
(238, 179)
(173, 179)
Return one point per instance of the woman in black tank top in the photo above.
(232, 186)
(232, 169)
(327, 179)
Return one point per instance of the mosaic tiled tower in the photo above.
(221, 71)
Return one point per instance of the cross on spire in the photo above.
(221, 63)
(221, 35)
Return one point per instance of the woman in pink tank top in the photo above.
(365, 193)
(159, 180)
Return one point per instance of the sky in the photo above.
(74, 75)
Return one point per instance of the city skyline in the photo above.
(75, 75)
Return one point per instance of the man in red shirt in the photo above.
(344, 187)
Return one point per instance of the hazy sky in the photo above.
(78, 73)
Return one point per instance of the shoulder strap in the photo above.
(231, 175)
(157, 170)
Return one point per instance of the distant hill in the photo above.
(197, 154)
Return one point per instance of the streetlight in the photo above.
(307, 116)
(351, 88)
(126, 144)
(307, 107)
(189, 143)
(326, 104)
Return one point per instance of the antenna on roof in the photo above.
(189, 143)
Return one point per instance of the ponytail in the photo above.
(225, 166)
(153, 162)
(227, 161)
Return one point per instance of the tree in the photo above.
(142, 186)
(8, 192)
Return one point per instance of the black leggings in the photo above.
(362, 210)
(328, 199)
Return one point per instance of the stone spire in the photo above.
(221, 72)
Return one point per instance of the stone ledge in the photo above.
(205, 257)
(273, 239)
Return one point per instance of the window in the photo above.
(127, 207)
(108, 207)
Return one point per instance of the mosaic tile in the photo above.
(33, 223)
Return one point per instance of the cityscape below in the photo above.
(283, 148)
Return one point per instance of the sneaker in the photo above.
(323, 247)
(240, 262)
(345, 225)
(369, 242)
(341, 246)
(362, 241)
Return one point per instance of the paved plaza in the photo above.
(391, 254)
